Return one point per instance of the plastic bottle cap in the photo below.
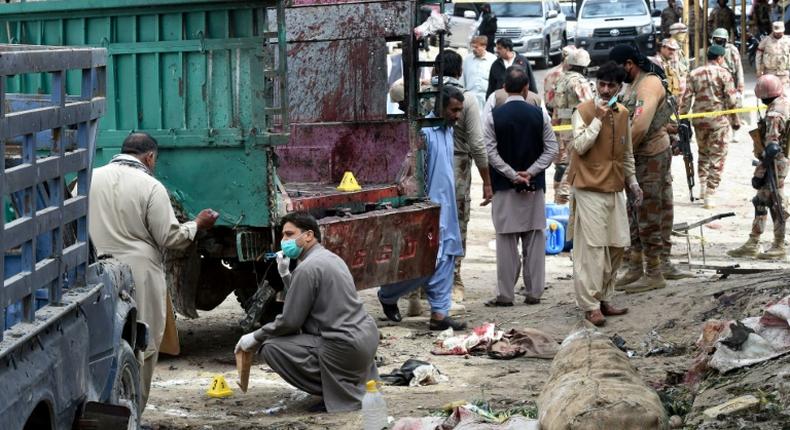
(372, 386)
(553, 226)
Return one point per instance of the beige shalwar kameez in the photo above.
(131, 218)
(599, 226)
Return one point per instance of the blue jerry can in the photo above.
(554, 210)
(564, 220)
(555, 237)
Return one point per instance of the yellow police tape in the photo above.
(568, 127)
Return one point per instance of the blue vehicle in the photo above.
(68, 321)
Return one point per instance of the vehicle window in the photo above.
(567, 9)
(613, 8)
(529, 9)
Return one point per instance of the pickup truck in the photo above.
(68, 322)
(603, 24)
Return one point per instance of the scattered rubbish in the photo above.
(469, 416)
(274, 410)
(654, 345)
(729, 345)
(476, 341)
(414, 373)
(730, 407)
(619, 342)
(435, 24)
(592, 384)
(675, 422)
(374, 408)
(243, 364)
(219, 388)
(524, 342)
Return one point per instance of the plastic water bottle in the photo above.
(374, 408)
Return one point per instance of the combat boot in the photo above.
(652, 280)
(748, 249)
(776, 252)
(458, 287)
(702, 192)
(415, 306)
(671, 272)
(710, 202)
(634, 272)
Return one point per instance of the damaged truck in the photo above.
(68, 323)
(260, 108)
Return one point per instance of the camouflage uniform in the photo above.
(650, 223)
(732, 62)
(722, 17)
(671, 67)
(711, 88)
(761, 17)
(572, 88)
(773, 56)
(776, 120)
(550, 85)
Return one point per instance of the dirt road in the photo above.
(675, 313)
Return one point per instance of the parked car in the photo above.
(537, 28)
(569, 10)
(464, 20)
(603, 24)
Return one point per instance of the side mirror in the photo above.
(470, 14)
(552, 14)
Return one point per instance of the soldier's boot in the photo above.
(671, 272)
(634, 272)
(710, 201)
(702, 192)
(652, 280)
(748, 249)
(776, 252)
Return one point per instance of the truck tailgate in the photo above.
(385, 246)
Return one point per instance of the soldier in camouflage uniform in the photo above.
(771, 91)
(668, 60)
(571, 90)
(679, 32)
(646, 101)
(732, 58)
(722, 17)
(710, 89)
(761, 17)
(773, 55)
(553, 76)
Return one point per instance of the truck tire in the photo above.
(543, 63)
(126, 390)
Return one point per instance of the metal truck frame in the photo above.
(71, 363)
(259, 108)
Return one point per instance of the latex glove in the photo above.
(283, 265)
(247, 343)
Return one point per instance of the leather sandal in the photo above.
(609, 310)
(595, 317)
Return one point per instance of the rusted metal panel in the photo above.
(338, 80)
(385, 246)
(349, 21)
(374, 152)
(329, 198)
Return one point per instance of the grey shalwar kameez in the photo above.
(519, 216)
(324, 342)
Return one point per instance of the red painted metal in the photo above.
(385, 246)
(327, 197)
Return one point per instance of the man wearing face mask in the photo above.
(722, 17)
(324, 342)
(679, 32)
(602, 164)
(651, 227)
(732, 58)
(440, 184)
(774, 135)
(711, 89)
(131, 218)
(773, 55)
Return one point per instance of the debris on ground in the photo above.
(486, 339)
(654, 344)
(592, 384)
(414, 373)
(729, 345)
(473, 416)
(733, 406)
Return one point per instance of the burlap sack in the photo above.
(592, 386)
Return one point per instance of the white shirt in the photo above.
(475, 76)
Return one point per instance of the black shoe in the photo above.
(493, 303)
(391, 311)
(531, 300)
(446, 323)
(319, 407)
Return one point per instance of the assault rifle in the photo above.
(684, 145)
(769, 161)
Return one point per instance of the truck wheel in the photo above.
(126, 390)
(543, 63)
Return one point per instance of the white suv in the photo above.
(603, 24)
(537, 28)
